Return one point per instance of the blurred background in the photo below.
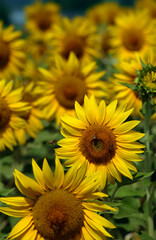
(13, 11)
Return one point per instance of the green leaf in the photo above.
(5, 193)
(129, 209)
(128, 191)
(131, 86)
(142, 63)
(3, 236)
(136, 177)
(46, 137)
(145, 236)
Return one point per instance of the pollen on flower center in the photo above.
(132, 40)
(70, 89)
(4, 54)
(5, 114)
(73, 44)
(58, 215)
(98, 144)
(150, 80)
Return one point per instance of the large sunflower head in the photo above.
(66, 83)
(41, 17)
(12, 56)
(99, 137)
(57, 207)
(32, 117)
(127, 74)
(10, 108)
(129, 37)
(78, 35)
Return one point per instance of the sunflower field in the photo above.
(78, 121)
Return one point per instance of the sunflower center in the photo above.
(70, 89)
(133, 40)
(43, 21)
(98, 144)
(5, 113)
(58, 215)
(150, 80)
(4, 54)
(73, 44)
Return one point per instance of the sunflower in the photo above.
(41, 17)
(32, 117)
(10, 107)
(129, 37)
(66, 83)
(57, 207)
(104, 13)
(78, 35)
(12, 56)
(100, 138)
(127, 74)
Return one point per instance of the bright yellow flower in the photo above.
(104, 12)
(66, 83)
(12, 55)
(78, 35)
(57, 207)
(100, 138)
(127, 74)
(129, 37)
(32, 117)
(10, 108)
(41, 17)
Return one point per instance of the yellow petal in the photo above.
(88, 107)
(48, 175)
(38, 173)
(86, 234)
(80, 113)
(131, 136)
(110, 111)
(59, 173)
(97, 206)
(102, 112)
(22, 226)
(96, 224)
(94, 232)
(14, 212)
(121, 166)
(17, 201)
(98, 219)
(125, 127)
(27, 185)
(73, 122)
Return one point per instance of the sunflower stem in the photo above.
(147, 110)
(113, 194)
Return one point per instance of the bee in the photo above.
(95, 140)
(52, 142)
(94, 137)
